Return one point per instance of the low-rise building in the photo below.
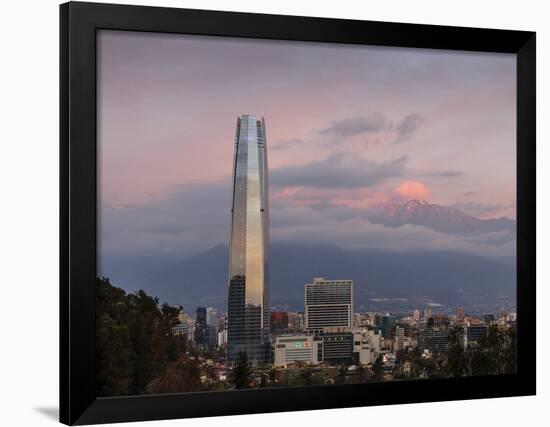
(296, 348)
(473, 334)
(433, 339)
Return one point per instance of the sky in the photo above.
(349, 128)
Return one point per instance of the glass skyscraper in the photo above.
(248, 310)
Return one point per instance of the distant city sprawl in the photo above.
(144, 347)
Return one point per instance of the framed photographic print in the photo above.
(274, 213)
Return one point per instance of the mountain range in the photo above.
(444, 219)
(446, 277)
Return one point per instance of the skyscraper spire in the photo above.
(248, 308)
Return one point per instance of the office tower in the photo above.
(399, 338)
(387, 325)
(416, 315)
(328, 303)
(248, 309)
(212, 324)
(201, 328)
(211, 316)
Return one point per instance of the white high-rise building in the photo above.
(328, 304)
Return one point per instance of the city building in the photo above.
(366, 346)
(373, 319)
(278, 322)
(211, 316)
(328, 303)
(201, 328)
(222, 338)
(296, 348)
(433, 339)
(399, 338)
(332, 346)
(438, 321)
(336, 346)
(473, 334)
(387, 325)
(181, 330)
(185, 325)
(212, 324)
(416, 315)
(296, 322)
(248, 302)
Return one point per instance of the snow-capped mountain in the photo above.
(441, 218)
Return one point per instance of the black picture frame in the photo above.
(78, 25)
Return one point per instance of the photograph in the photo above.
(286, 214)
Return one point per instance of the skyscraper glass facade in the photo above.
(248, 312)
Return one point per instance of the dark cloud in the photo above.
(325, 223)
(287, 143)
(337, 171)
(476, 208)
(446, 174)
(374, 122)
(407, 126)
(191, 218)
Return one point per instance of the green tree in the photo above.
(341, 375)
(306, 376)
(272, 377)
(457, 362)
(180, 376)
(134, 340)
(241, 371)
(362, 375)
(511, 359)
(496, 353)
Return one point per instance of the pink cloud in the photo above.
(412, 190)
